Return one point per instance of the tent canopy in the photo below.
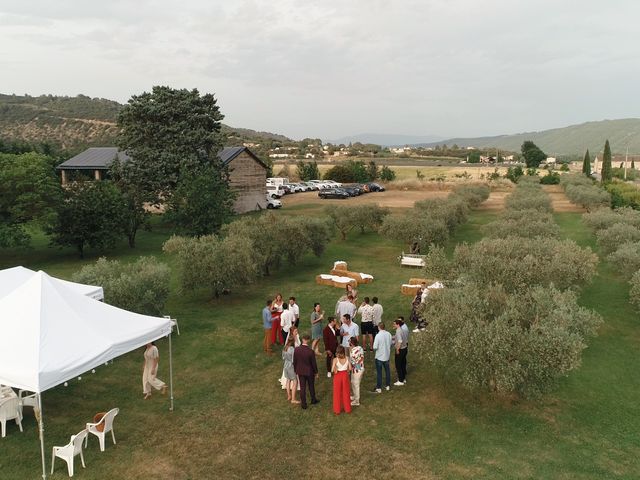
(50, 334)
(10, 278)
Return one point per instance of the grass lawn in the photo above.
(231, 419)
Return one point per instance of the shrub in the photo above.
(626, 258)
(503, 228)
(141, 287)
(634, 291)
(494, 341)
(589, 197)
(624, 195)
(575, 179)
(611, 238)
(473, 195)
(514, 173)
(551, 178)
(386, 174)
(604, 218)
(519, 263)
(211, 262)
(528, 197)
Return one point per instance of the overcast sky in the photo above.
(329, 68)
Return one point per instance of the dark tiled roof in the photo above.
(95, 157)
(102, 157)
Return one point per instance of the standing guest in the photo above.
(347, 330)
(293, 306)
(149, 373)
(401, 345)
(356, 357)
(316, 327)
(295, 334)
(353, 292)
(377, 315)
(287, 320)
(291, 379)
(415, 303)
(304, 364)
(340, 369)
(276, 311)
(382, 347)
(330, 337)
(346, 307)
(366, 323)
(267, 319)
(405, 329)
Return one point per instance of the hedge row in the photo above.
(583, 191)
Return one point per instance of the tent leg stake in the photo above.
(170, 374)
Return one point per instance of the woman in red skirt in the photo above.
(276, 311)
(341, 385)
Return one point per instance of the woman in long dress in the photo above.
(150, 372)
(316, 327)
(276, 311)
(341, 391)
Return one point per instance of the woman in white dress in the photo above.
(149, 378)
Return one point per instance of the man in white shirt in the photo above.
(347, 330)
(287, 320)
(382, 347)
(366, 324)
(293, 306)
(346, 307)
(377, 315)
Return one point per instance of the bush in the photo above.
(503, 228)
(494, 341)
(365, 217)
(634, 291)
(626, 258)
(386, 174)
(514, 173)
(605, 217)
(141, 287)
(211, 262)
(551, 178)
(518, 263)
(473, 195)
(528, 197)
(624, 195)
(575, 179)
(589, 197)
(611, 238)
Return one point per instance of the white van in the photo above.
(274, 191)
(277, 181)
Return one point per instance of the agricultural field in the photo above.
(231, 419)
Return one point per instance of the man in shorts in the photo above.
(366, 324)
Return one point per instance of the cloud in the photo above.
(331, 68)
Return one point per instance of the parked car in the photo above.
(286, 188)
(312, 186)
(375, 187)
(333, 193)
(274, 191)
(332, 183)
(352, 190)
(273, 203)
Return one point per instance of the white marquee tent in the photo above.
(10, 278)
(51, 334)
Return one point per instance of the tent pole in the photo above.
(41, 429)
(170, 372)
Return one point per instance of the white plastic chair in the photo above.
(28, 399)
(107, 421)
(10, 410)
(69, 452)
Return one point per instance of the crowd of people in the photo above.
(346, 345)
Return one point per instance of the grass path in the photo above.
(232, 421)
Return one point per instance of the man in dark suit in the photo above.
(304, 364)
(330, 337)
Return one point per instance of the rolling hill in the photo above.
(572, 140)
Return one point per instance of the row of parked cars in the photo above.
(350, 190)
(278, 187)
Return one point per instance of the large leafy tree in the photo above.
(606, 172)
(201, 203)
(533, 155)
(29, 191)
(91, 214)
(166, 132)
(586, 164)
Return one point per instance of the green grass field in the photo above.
(232, 421)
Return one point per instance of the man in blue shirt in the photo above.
(266, 324)
(382, 347)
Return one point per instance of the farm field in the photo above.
(231, 419)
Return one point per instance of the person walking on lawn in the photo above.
(304, 364)
(382, 347)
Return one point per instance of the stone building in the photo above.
(247, 173)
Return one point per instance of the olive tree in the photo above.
(491, 340)
(141, 287)
(609, 239)
(626, 258)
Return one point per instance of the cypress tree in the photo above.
(586, 164)
(633, 167)
(606, 163)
